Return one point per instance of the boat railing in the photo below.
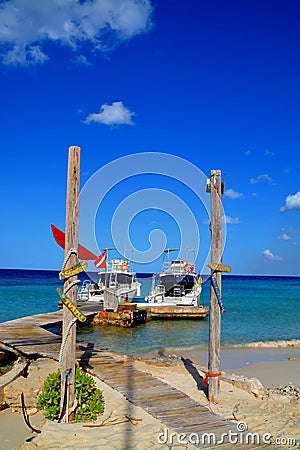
(166, 266)
(123, 286)
(119, 265)
(177, 291)
(160, 289)
(178, 266)
(84, 292)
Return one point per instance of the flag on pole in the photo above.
(100, 261)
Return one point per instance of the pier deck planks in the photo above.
(169, 405)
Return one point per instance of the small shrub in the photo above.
(89, 398)
(49, 400)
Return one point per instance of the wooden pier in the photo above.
(172, 407)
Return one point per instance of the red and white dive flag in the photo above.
(100, 261)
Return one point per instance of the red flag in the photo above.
(100, 262)
(83, 253)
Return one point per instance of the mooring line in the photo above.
(25, 415)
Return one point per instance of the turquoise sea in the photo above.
(258, 309)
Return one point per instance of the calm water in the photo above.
(257, 309)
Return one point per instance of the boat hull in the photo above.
(122, 295)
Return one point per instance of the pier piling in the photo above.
(71, 259)
(215, 188)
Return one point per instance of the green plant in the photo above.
(49, 400)
(89, 398)
(90, 401)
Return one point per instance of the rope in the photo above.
(73, 321)
(207, 375)
(64, 411)
(60, 359)
(218, 294)
(70, 286)
(70, 252)
(64, 404)
(25, 415)
(64, 341)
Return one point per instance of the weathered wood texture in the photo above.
(29, 335)
(172, 407)
(214, 313)
(71, 241)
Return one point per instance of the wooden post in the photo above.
(71, 241)
(215, 314)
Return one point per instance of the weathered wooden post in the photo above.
(215, 189)
(71, 259)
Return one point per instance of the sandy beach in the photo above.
(125, 426)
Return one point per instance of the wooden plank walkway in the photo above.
(29, 335)
(172, 407)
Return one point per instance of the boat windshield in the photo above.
(120, 278)
(173, 283)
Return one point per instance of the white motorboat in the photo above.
(117, 276)
(177, 284)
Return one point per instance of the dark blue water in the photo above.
(258, 309)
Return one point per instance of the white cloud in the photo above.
(263, 177)
(270, 256)
(30, 24)
(291, 202)
(230, 193)
(24, 56)
(284, 237)
(287, 170)
(82, 60)
(269, 153)
(114, 114)
(232, 220)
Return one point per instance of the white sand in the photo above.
(13, 430)
(275, 373)
(277, 415)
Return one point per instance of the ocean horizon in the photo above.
(260, 311)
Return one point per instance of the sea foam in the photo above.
(274, 344)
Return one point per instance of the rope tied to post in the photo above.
(208, 375)
(70, 252)
(218, 293)
(73, 321)
(64, 341)
(70, 286)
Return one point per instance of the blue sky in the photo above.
(215, 83)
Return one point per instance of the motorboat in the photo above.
(116, 277)
(177, 284)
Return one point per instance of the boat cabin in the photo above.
(177, 285)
